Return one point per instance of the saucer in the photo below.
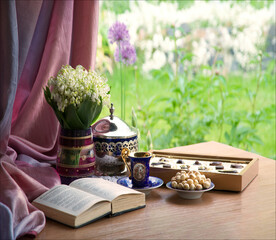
(154, 182)
(190, 194)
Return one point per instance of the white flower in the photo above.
(73, 86)
(158, 61)
(237, 27)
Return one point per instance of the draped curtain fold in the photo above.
(36, 39)
(8, 68)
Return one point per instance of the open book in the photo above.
(86, 200)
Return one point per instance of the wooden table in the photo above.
(217, 215)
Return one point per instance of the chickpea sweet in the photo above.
(206, 184)
(199, 187)
(191, 180)
(201, 181)
(183, 177)
(180, 186)
(197, 173)
(192, 186)
(178, 178)
(174, 184)
(208, 179)
(193, 176)
(186, 186)
(173, 178)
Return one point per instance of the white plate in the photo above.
(190, 194)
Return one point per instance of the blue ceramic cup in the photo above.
(139, 168)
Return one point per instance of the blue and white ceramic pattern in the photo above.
(190, 194)
(154, 182)
(110, 136)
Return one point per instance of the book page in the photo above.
(67, 199)
(102, 188)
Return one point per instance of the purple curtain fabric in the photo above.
(8, 68)
(36, 39)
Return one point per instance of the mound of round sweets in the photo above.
(192, 180)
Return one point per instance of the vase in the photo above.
(75, 157)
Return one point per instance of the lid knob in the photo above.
(111, 110)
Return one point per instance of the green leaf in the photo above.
(218, 49)
(216, 83)
(177, 90)
(188, 57)
(160, 74)
(133, 118)
(256, 139)
(254, 61)
(250, 95)
(73, 120)
(222, 80)
(233, 130)
(219, 105)
(88, 112)
(227, 137)
(241, 131)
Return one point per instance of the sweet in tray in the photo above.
(227, 173)
(193, 165)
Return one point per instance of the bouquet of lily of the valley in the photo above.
(77, 96)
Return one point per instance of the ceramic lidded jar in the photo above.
(109, 144)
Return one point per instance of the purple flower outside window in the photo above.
(128, 53)
(118, 33)
(125, 53)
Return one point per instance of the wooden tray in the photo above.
(223, 181)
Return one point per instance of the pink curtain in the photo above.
(39, 37)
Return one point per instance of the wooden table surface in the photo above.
(217, 215)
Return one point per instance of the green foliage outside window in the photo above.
(184, 103)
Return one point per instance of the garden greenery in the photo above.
(199, 76)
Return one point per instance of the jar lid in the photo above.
(117, 127)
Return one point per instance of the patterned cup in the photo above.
(139, 167)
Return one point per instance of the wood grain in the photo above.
(217, 215)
